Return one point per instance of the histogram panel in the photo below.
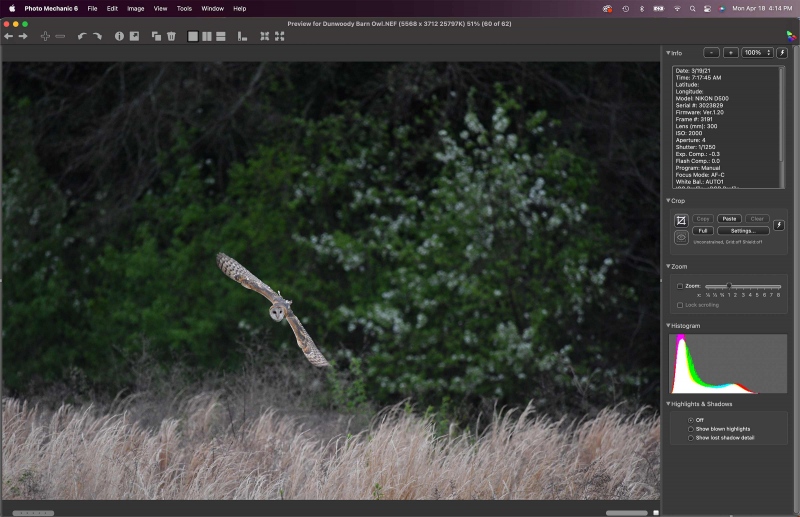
(728, 363)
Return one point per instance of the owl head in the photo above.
(276, 312)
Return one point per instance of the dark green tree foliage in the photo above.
(475, 282)
(453, 237)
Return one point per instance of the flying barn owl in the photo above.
(280, 307)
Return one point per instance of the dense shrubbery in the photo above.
(475, 282)
(459, 254)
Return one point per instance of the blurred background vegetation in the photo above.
(463, 234)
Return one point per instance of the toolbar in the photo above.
(773, 35)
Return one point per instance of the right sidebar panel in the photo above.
(728, 253)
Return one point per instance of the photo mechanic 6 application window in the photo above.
(400, 258)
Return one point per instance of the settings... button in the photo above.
(743, 230)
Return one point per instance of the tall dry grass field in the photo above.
(74, 453)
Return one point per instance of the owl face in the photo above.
(276, 312)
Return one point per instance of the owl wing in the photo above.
(239, 273)
(305, 342)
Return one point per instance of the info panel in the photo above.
(728, 278)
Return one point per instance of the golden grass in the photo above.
(74, 454)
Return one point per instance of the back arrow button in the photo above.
(8, 35)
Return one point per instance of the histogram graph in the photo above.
(728, 363)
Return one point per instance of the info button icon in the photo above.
(730, 52)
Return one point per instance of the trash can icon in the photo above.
(171, 36)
